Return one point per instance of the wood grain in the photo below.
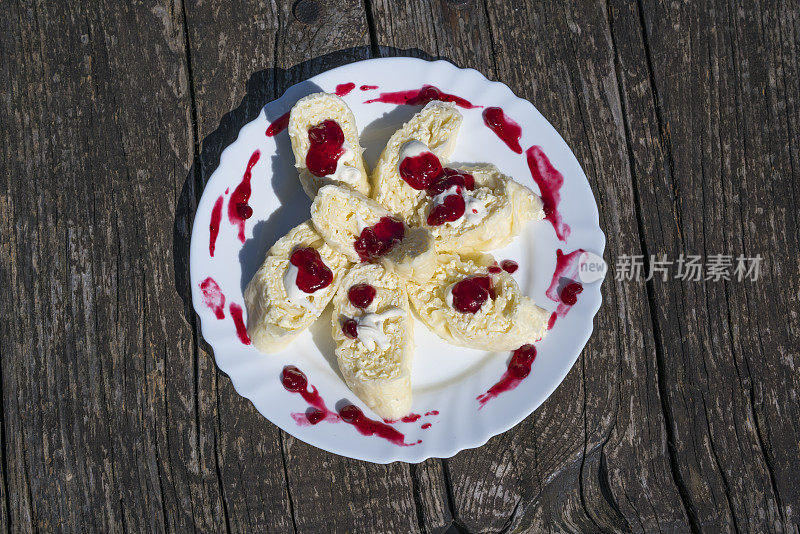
(681, 414)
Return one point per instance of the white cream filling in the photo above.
(370, 328)
(296, 295)
(346, 171)
(473, 208)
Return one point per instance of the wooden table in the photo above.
(683, 412)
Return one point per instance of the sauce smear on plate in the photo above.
(213, 226)
(238, 208)
(549, 181)
(213, 297)
(504, 127)
(519, 367)
(421, 96)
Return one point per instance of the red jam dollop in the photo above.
(509, 266)
(312, 273)
(451, 209)
(420, 171)
(377, 240)
(293, 379)
(361, 295)
(213, 297)
(326, 148)
(470, 293)
(569, 295)
(350, 328)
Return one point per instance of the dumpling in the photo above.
(364, 231)
(325, 143)
(476, 208)
(373, 330)
(297, 280)
(472, 303)
(433, 130)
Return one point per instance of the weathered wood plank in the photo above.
(710, 122)
(97, 373)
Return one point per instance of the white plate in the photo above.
(445, 378)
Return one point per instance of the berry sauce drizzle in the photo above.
(353, 415)
(327, 146)
(432, 412)
(420, 171)
(278, 125)
(504, 127)
(377, 240)
(213, 226)
(294, 380)
(213, 297)
(421, 96)
(519, 367)
(344, 88)
(564, 288)
(238, 208)
(312, 273)
(368, 87)
(549, 181)
(238, 320)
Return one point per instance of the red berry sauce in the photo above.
(506, 129)
(451, 209)
(519, 367)
(361, 295)
(552, 321)
(410, 418)
(420, 171)
(567, 266)
(213, 226)
(312, 273)
(432, 412)
(353, 415)
(425, 426)
(377, 240)
(350, 328)
(509, 266)
(569, 295)
(238, 209)
(420, 97)
(344, 88)
(326, 148)
(549, 181)
(278, 125)
(238, 320)
(470, 293)
(368, 87)
(448, 179)
(294, 380)
(495, 269)
(213, 297)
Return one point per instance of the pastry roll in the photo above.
(297, 280)
(364, 231)
(434, 129)
(325, 143)
(476, 208)
(472, 303)
(373, 330)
